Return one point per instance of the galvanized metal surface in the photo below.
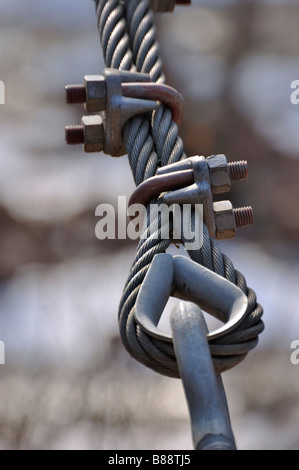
(210, 421)
(184, 279)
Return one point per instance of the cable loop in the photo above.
(128, 38)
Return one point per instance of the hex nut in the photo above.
(219, 174)
(93, 128)
(224, 220)
(95, 86)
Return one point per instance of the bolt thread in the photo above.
(244, 216)
(74, 135)
(238, 170)
(75, 94)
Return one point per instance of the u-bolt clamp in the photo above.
(118, 96)
(194, 181)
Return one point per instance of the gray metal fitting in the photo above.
(118, 96)
(93, 129)
(228, 219)
(219, 174)
(162, 6)
(180, 277)
(204, 391)
(90, 134)
(96, 93)
(224, 220)
(212, 175)
(193, 181)
(120, 109)
(199, 192)
(103, 93)
(92, 93)
(222, 172)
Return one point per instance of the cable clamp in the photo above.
(116, 96)
(196, 180)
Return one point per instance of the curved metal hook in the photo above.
(185, 279)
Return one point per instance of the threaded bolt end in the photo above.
(75, 94)
(74, 135)
(238, 171)
(244, 216)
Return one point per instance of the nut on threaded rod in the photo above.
(74, 135)
(75, 94)
(90, 133)
(227, 219)
(238, 171)
(244, 216)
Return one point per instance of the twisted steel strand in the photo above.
(128, 39)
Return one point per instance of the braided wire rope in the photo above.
(128, 38)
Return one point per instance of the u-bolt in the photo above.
(79, 94)
(185, 178)
(118, 96)
(158, 92)
(176, 180)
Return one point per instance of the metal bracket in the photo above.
(103, 93)
(182, 278)
(194, 181)
(118, 96)
(199, 192)
(120, 109)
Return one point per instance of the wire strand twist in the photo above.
(128, 38)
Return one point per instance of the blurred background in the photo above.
(68, 383)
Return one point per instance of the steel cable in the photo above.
(128, 39)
